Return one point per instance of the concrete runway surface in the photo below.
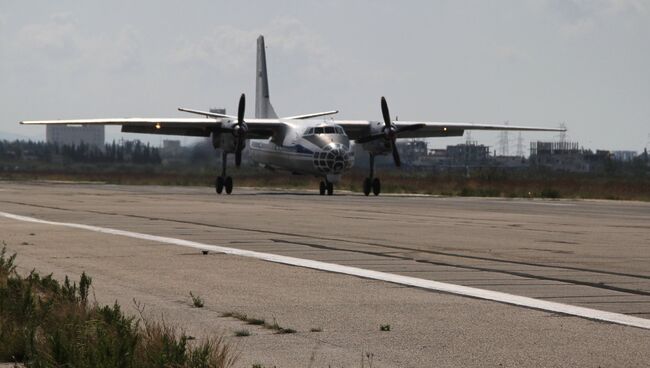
(592, 254)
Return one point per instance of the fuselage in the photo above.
(320, 149)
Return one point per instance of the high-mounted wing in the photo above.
(196, 127)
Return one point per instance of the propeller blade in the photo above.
(396, 158)
(240, 111)
(238, 157)
(384, 112)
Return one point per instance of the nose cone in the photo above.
(332, 159)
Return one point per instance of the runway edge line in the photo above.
(496, 296)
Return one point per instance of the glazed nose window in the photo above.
(332, 159)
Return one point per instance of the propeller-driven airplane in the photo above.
(298, 144)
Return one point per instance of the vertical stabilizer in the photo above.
(263, 107)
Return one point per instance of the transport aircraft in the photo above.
(300, 144)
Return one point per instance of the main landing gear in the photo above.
(326, 186)
(223, 181)
(370, 183)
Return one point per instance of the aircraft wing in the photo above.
(196, 127)
(357, 129)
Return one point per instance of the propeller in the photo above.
(389, 132)
(240, 130)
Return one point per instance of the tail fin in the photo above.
(263, 107)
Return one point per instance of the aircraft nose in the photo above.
(332, 159)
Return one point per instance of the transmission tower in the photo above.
(468, 137)
(520, 145)
(562, 135)
(504, 144)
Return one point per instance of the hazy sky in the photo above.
(533, 62)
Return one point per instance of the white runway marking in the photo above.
(523, 301)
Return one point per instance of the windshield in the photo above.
(325, 130)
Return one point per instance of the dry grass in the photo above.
(484, 184)
(47, 324)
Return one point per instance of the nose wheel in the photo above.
(326, 187)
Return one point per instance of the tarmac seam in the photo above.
(565, 309)
(449, 254)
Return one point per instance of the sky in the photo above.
(584, 63)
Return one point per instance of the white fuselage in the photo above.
(320, 149)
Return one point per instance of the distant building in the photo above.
(625, 156)
(566, 156)
(92, 135)
(468, 154)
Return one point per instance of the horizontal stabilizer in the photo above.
(313, 115)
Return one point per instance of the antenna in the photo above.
(468, 137)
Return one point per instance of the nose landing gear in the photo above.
(326, 186)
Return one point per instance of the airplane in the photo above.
(299, 144)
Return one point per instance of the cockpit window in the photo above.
(330, 130)
(319, 130)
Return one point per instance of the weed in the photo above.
(255, 321)
(384, 327)
(242, 333)
(316, 329)
(197, 301)
(50, 324)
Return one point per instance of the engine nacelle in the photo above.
(378, 146)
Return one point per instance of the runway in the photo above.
(591, 254)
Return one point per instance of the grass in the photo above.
(487, 182)
(259, 322)
(44, 323)
(197, 301)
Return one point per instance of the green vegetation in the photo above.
(47, 324)
(197, 301)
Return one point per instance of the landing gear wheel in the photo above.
(376, 186)
(322, 188)
(330, 188)
(218, 185)
(228, 185)
(367, 184)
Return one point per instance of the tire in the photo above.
(218, 185)
(376, 186)
(228, 185)
(366, 186)
(330, 188)
(322, 188)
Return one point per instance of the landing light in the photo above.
(157, 125)
(445, 129)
